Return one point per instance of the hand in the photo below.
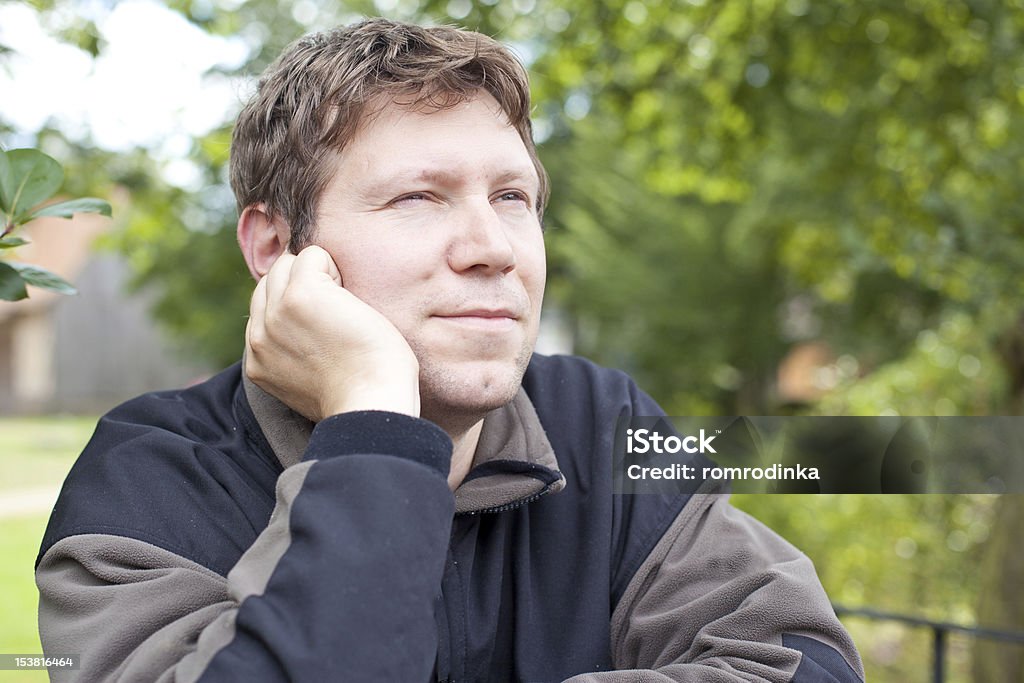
(320, 349)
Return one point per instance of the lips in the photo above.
(494, 319)
(481, 313)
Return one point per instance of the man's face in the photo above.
(430, 218)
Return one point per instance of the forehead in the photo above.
(397, 139)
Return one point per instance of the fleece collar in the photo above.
(514, 462)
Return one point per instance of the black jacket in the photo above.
(211, 534)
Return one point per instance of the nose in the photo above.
(480, 240)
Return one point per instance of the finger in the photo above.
(278, 277)
(255, 327)
(314, 262)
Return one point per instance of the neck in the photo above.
(464, 430)
(464, 442)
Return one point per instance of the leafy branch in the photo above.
(27, 179)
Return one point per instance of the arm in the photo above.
(722, 598)
(307, 601)
(715, 595)
(342, 581)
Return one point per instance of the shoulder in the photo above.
(571, 385)
(159, 427)
(579, 402)
(571, 371)
(190, 411)
(167, 468)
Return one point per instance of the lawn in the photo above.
(38, 451)
(36, 455)
(19, 544)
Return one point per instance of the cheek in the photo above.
(382, 287)
(385, 277)
(368, 264)
(532, 265)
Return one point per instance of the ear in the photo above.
(262, 238)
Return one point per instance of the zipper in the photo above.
(446, 637)
(443, 664)
(511, 506)
(450, 628)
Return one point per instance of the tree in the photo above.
(836, 170)
(1000, 605)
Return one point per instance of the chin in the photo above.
(465, 392)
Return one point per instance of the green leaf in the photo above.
(11, 242)
(69, 208)
(5, 172)
(42, 278)
(27, 177)
(12, 286)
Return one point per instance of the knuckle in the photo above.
(254, 370)
(293, 299)
(257, 339)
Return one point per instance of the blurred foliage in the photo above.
(846, 172)
(1000, 605)
(731, 180)
(28, 179)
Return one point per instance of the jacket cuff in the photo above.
(383, 433)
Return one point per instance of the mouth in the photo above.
(482, 318)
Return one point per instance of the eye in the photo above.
(512, 196)
(410, 198)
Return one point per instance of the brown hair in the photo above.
(312, 99)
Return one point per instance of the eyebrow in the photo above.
(443, 177)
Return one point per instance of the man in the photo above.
(443, 506)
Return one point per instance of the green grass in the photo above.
(34, 453)
(38, 451)
(19, 543)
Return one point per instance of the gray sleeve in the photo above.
(128, 609)
(722, 598)
(135, 612)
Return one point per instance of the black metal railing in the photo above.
(939, 629)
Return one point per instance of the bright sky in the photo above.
(146, 89)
